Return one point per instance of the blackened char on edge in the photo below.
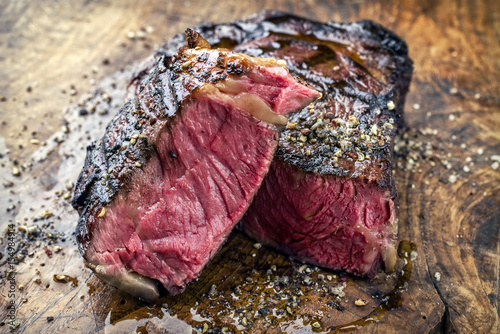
(363, 71)
(179, 164)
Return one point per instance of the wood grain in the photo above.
(53, 53)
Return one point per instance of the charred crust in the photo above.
(208, 67)
(235, 69)
(221, 61)
(194, 39)
(191, 37)
(125, 148)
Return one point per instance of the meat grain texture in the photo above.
(179, 165)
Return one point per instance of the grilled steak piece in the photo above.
(329, 198)
(179, 164)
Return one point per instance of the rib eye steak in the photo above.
(179, 165)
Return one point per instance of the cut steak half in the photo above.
(179, 165)
(330, 198)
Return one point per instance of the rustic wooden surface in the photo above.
(52, 53)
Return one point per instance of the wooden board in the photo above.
(53, 53)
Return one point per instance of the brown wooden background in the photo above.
(53, 52)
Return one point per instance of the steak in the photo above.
(179, 165)
(329, 198)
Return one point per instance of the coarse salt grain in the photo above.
(360, 302)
